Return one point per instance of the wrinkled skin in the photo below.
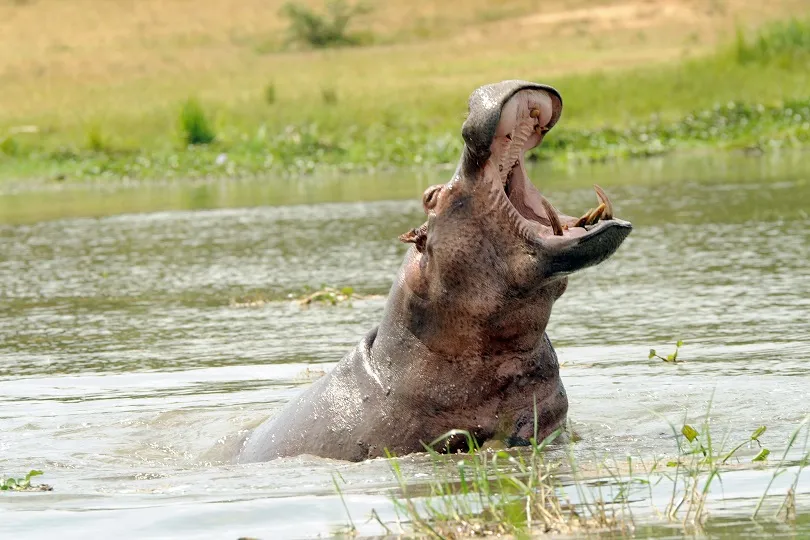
(462, 342)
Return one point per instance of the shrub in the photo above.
(323, 30)
(9, 146)
(194, 124)
(783, 42)
(95, 140)
(270, 93)
(329, 96)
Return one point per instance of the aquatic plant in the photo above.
(194, 124)
(23, 484)
(671, 358)
(328, 295)
(519, 492)
(788, 505)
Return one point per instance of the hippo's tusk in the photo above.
(584, 219)
(603, 198)
(594, 216)
(553, 218)
(535, 113)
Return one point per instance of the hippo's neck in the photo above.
(422, 342)
(478, 320)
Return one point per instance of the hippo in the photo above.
(462, 343)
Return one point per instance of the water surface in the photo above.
(129, 358)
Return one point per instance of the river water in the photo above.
(143, 326)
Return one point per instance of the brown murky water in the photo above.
(127, 362)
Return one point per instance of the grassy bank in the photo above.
(636, 80)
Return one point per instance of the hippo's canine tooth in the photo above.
(603, 198)
(553, 218)
(535, 113)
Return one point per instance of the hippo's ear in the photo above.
(485, 106)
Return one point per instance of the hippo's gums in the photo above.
(462, 342)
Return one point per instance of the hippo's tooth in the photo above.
(594, 216)
(584, 219)
(535, 113)
(553, 218)
(540, 130)
(603, 198)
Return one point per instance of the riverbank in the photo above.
(393, 105)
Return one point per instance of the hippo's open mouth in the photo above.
(523, 123)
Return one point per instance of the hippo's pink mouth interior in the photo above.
(523, 123)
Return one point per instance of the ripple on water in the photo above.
(125, 367)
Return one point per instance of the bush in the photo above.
(329, 96)
(327, 30)
(783, 42)
(270, 93)
(194, 124)
(9, 146)
(95, 140)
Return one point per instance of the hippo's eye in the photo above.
(430, 197)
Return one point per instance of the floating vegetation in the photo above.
(254, 299)
(329, 295)
(24, 484)
(325, 295)
(671, 358)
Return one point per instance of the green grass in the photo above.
(745, 95)
(522, 493)
(786, 43)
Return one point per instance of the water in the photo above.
(130, 356)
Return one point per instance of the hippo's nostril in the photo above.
(430, 197)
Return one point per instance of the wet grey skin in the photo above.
(462, 341)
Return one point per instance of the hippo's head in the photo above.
(494, 253)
